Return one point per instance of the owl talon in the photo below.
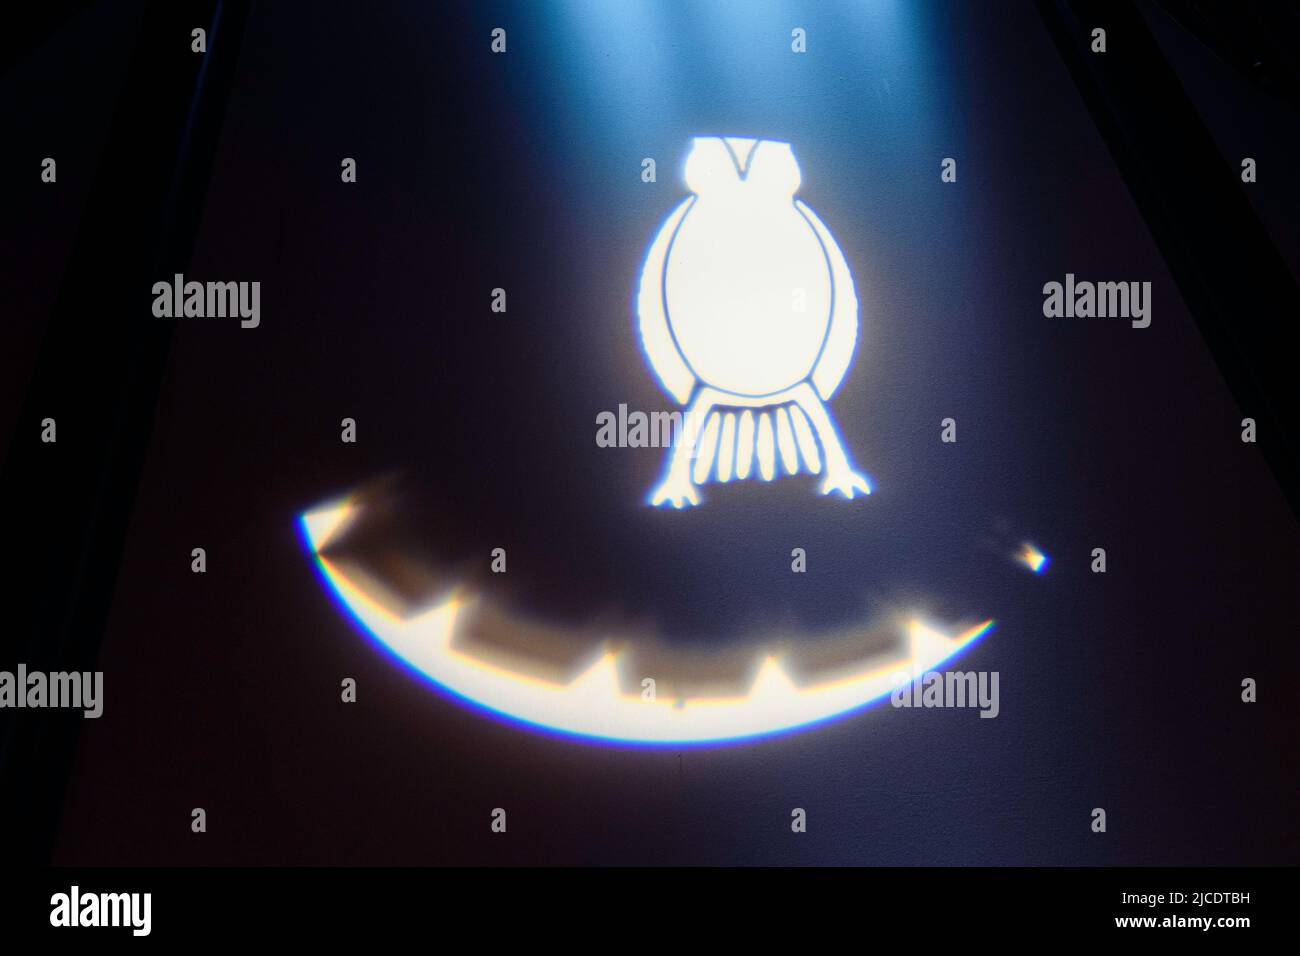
(679, 494)
(847, 483)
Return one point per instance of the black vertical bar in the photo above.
(98, 375)
(1231, 276)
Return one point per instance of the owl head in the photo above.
(721, 165)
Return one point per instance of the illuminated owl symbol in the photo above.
(747, 312)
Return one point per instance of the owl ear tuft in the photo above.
(774, 164)
(708, 165)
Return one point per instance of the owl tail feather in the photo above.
(738, 443)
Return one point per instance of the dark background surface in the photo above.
(522, 171)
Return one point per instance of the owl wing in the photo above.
(842, 336)
(652, 312)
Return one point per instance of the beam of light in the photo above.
(596, 702)
(1032, 558)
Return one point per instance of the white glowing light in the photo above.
(746, 304)
(595, 702)
(1032, 558)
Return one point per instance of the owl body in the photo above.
(747, 287)
(748, 315)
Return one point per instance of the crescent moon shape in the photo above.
(842, 337)
(592, 701)
(656, 337)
